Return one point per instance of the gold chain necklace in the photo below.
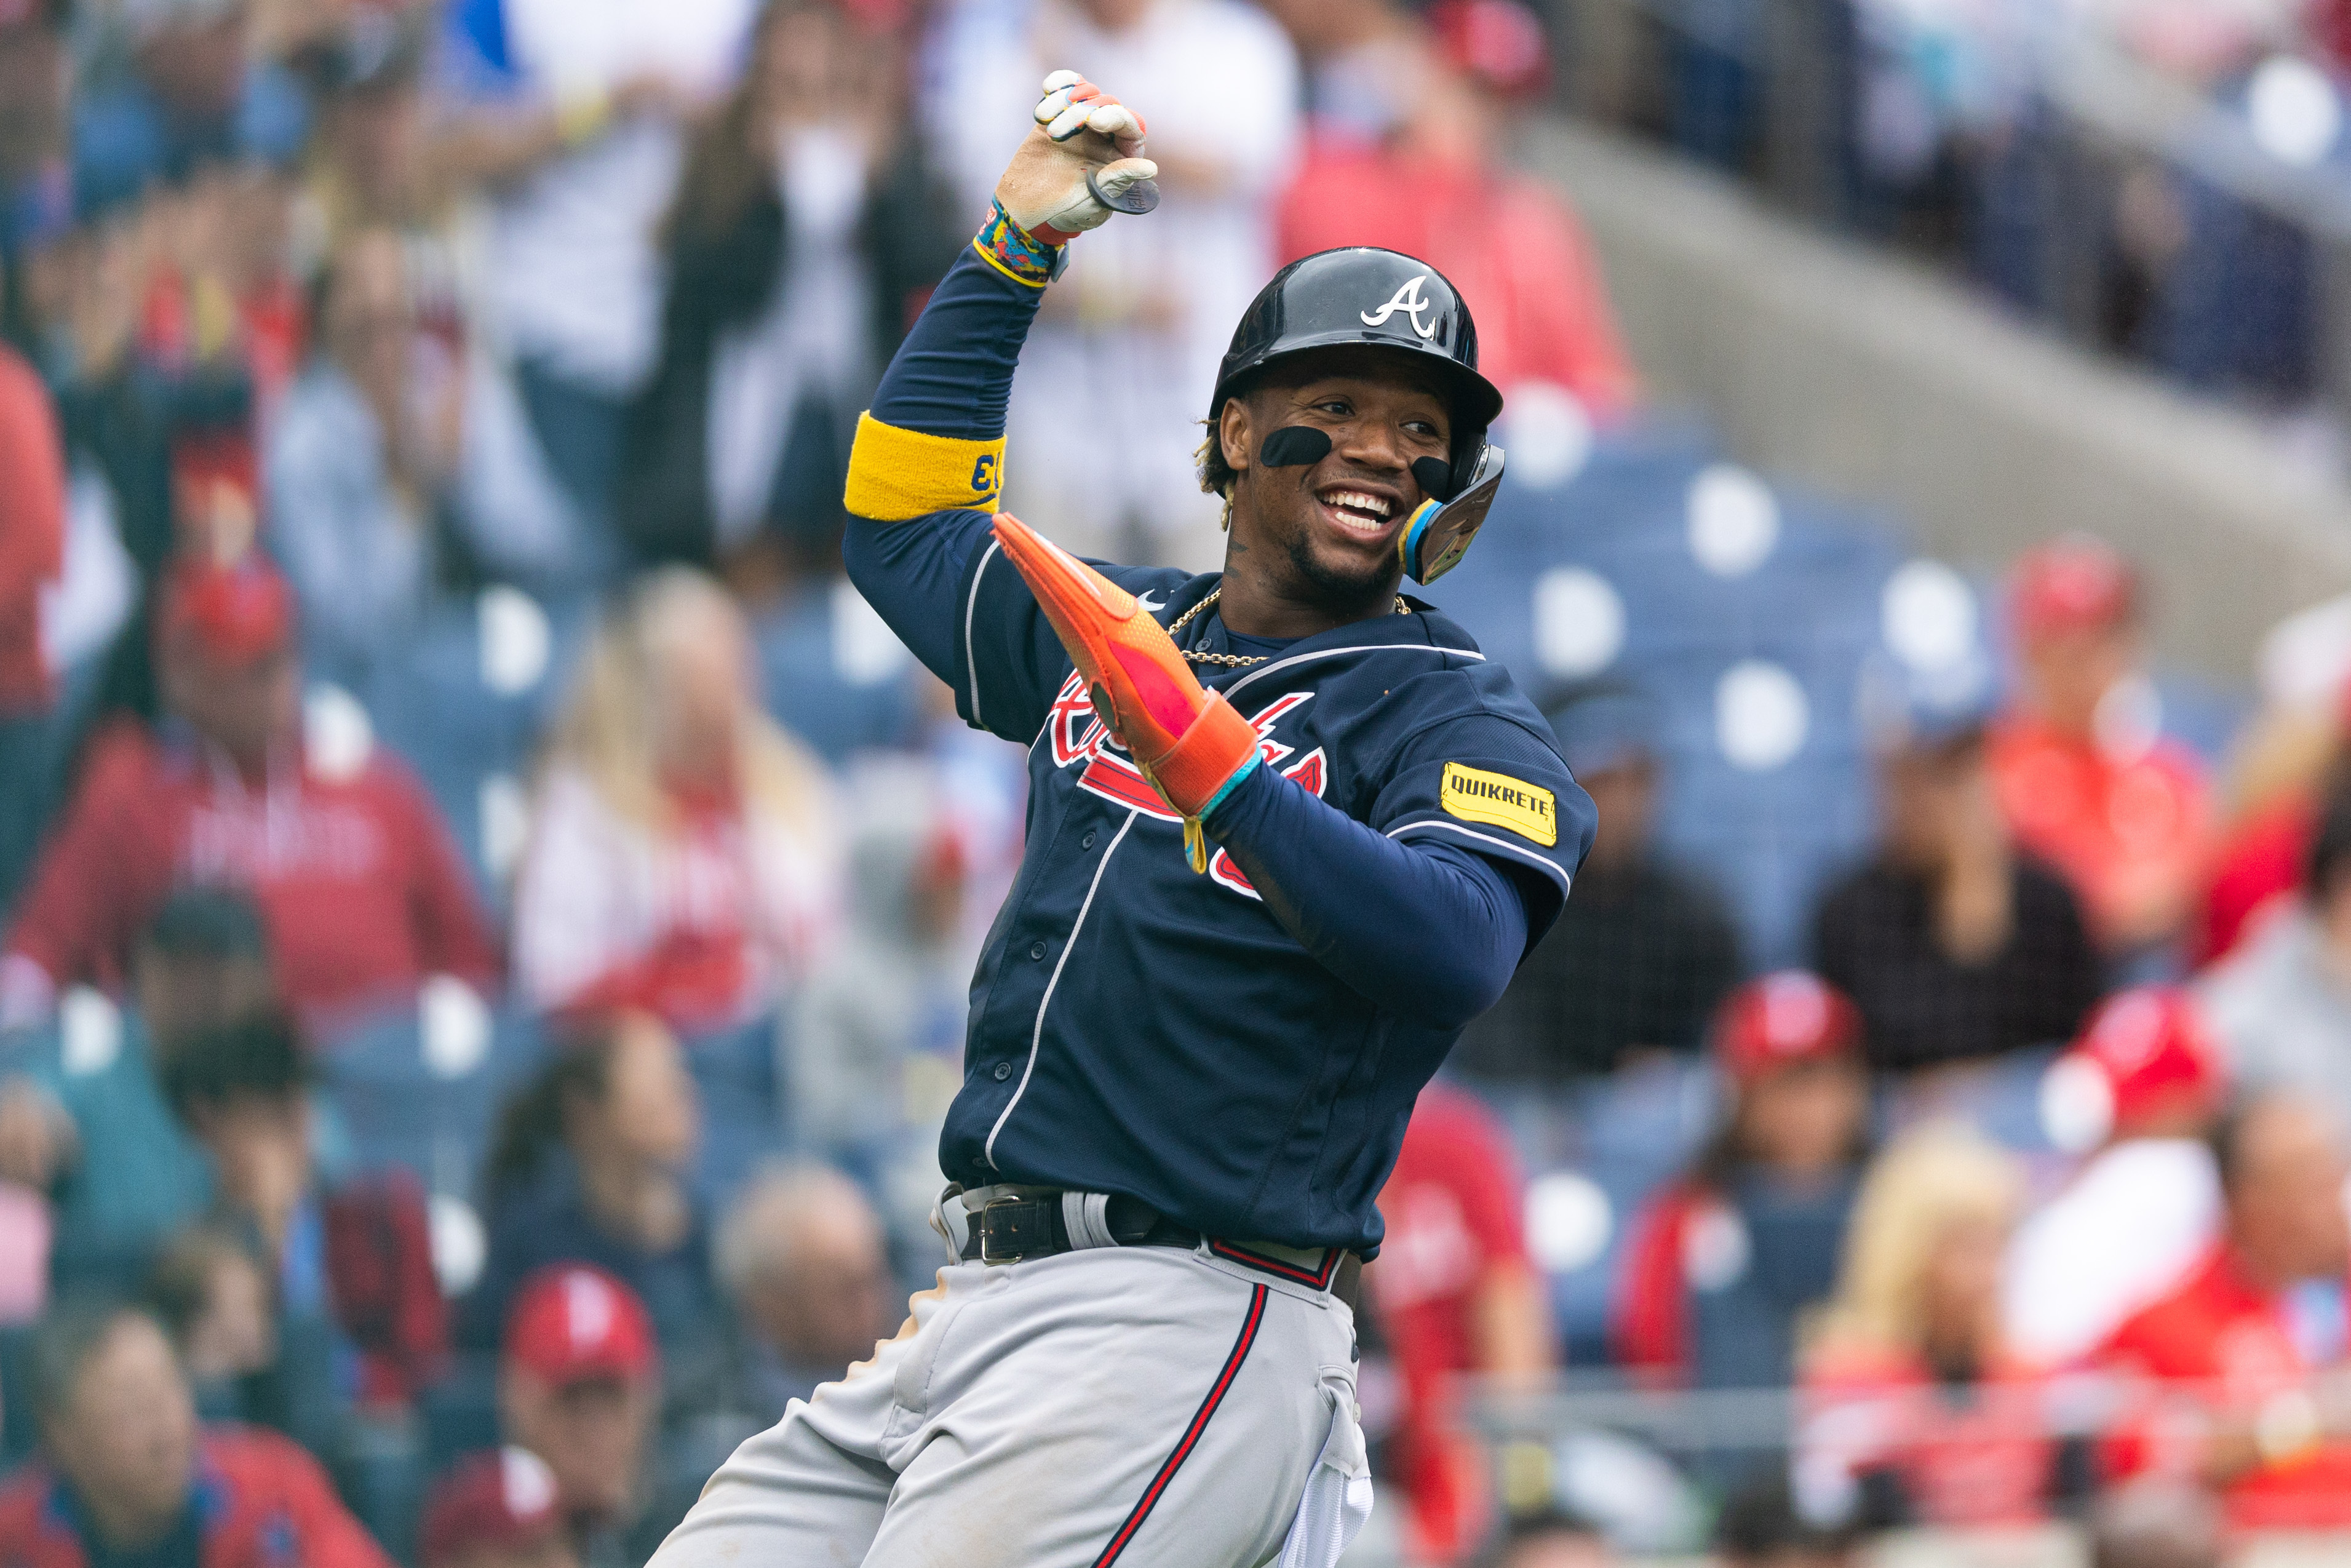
(1233, 661)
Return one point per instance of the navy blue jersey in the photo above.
(1137, 1026)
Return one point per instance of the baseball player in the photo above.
(1288, 831)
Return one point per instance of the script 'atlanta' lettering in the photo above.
(1499, 800)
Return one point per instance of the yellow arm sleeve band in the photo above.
(895, 475)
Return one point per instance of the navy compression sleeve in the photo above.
(936, 432)
(1426, 930)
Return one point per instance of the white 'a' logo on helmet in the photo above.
(1408, 300)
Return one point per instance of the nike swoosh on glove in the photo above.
(1190, 743)
(1081, 129)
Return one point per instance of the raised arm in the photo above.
(928, 461)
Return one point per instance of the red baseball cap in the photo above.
(1499, 42)
(2150, 1048)
(505, 1500)
(1781, 1019)
(234, 614)
(2073, 584)
(571, 1323)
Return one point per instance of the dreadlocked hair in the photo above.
(1216, 476)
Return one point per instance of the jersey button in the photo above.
(1003, 1071)
(1035, 950)
(1087, 842)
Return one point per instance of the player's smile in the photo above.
(1359, 509)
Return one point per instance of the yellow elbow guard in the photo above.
(895, 475)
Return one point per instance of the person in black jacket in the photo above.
(1645, 949)
(1956, 944)
(803, 241)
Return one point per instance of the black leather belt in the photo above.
(1012, 1228)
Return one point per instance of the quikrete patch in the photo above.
(1475, 795)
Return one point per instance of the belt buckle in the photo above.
(994, 1204)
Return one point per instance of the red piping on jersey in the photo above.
(1158, 1486)
(1320, 1280)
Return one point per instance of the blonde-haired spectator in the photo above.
(1914, 1409)
(683, 854)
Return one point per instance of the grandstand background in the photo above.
(458, 827)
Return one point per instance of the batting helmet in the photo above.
(1361, 296)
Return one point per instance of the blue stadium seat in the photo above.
(742, 1112)
(396, 1108)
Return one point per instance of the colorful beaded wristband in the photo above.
(1014, 252)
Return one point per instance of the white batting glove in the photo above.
(1081, 130)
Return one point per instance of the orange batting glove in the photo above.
(1189, 742)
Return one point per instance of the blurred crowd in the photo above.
(488, 909)
(2153, 176)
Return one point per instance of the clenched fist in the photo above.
(1081, 163)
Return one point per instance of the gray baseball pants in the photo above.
(1145, 1406)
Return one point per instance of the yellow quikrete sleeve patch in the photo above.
(894, 473)
(1475, 795)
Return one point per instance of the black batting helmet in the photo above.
(1362, 297)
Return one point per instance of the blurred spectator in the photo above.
(1956, 945)
(346, 855)
(2283, 1002)
(801, 1260)
(873, 1050)
(1644, 951)
(127, 1476)
(361, 464)
(350, 1265)
(2141, 1211)
(35, 168)
(2285, 766)
(1760, 1526)
(31, 565)
(580, 1387)
(2250, 1332)
(590, 1165)
(1720, 1266)
(497, 1510)
(2085, 778)
(1549, 1538)
(1133, 332)
(1359, 58)
(196, 94)
(1456, 1295)
(681, 858)
(2154, 1525)
(213, 1297)
(1915, 1409)
(574, 119)
(91, 1125)
(808, 228)
(1438, 188)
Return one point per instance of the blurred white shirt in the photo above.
(1107, 407)
(600, 892)
(2134, 1220)
(574, 272)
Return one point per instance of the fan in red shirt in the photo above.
(2243, 1351)
(127, 1475)
(1455, 1293)
(1912, 1404)
(2083, 777)
(354, 869)
(1438, 192)
(32, 531)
